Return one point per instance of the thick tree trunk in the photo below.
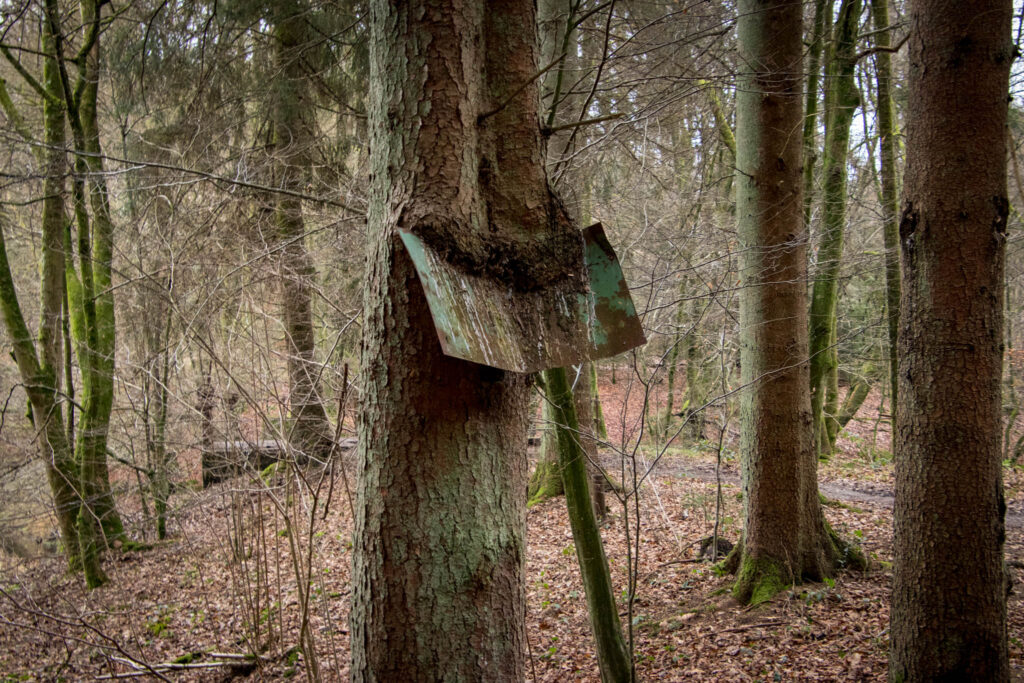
(890, 191)
(948, 619)
(293, 139)
(438, 588)
(841, 101)
(784, 534)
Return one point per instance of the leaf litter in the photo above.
(220, 600)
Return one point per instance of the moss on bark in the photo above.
(760, 579)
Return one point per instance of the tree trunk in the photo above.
(95, 342)
(841, 101)
(585, 396)
(860, 387)
(890, 190)
(440, 520)
(612, 653)
(822, 12)
(310, 430)
(599, 426)
(40, 370)
(546, 480)
(948, 619)
(784, 534)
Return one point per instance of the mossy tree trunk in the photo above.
(890, 187)
(841, 101)
(613, 656)
(90, 291)
(293, 110)
(819, 33)
(586, 396)
(948, 618)
(859, 389)
(39, 357)
(438, 590)
(784, 537)
(546, 479)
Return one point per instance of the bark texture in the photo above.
(784, 534)
(948, 619)
(438, 588)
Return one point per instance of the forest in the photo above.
(547, 340)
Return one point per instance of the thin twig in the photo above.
(577, 124)
(760, 624)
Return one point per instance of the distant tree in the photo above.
(841, 101)
(887, 131)
(948, 619)
(293, 114)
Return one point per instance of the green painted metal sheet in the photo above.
(485, 321)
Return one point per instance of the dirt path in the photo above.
(847, 491)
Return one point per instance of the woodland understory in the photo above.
(190, 599)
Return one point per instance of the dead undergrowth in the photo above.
(224, 587)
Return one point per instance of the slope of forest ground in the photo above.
(226, 583)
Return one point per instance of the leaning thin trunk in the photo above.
(612, 654)
(860, 387)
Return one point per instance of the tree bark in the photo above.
(784, 532)
(948, 619)
(438, 589)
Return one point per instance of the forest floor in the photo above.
(225, 585)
